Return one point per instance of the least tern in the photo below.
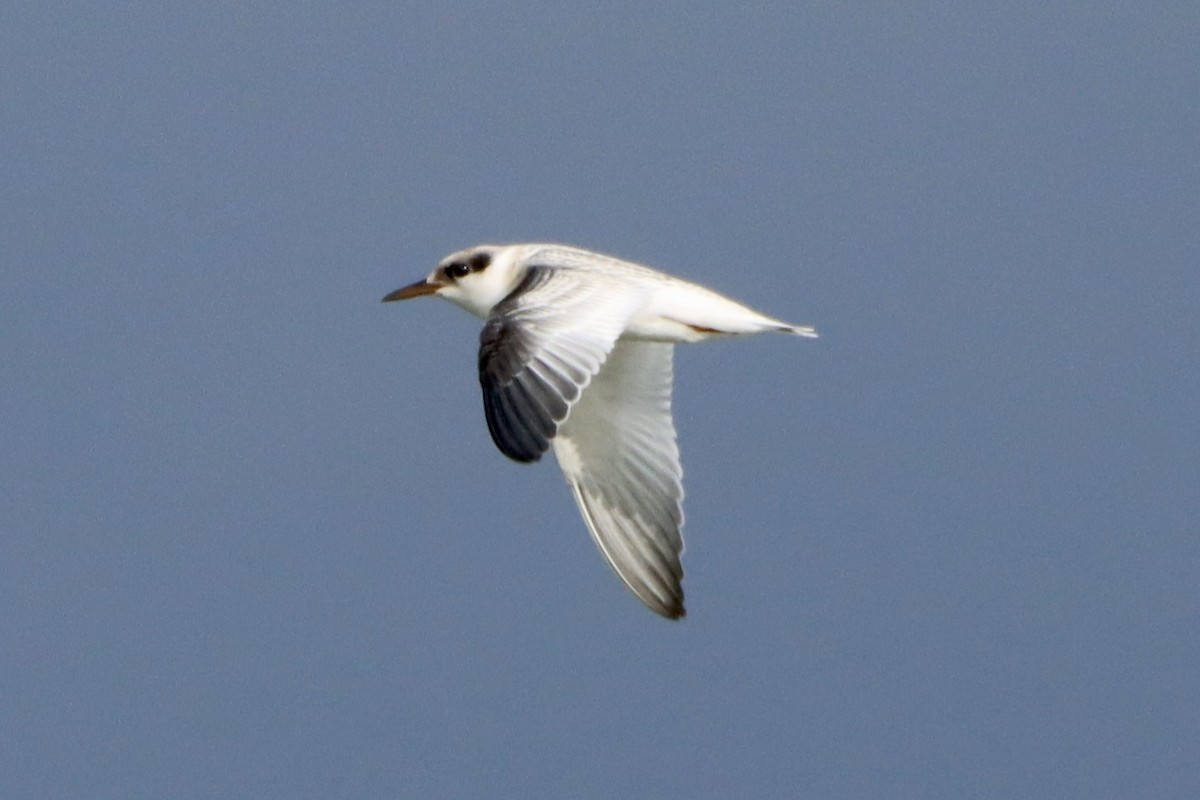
(575, 354)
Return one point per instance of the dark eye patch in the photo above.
(480, 262)
(457, 269)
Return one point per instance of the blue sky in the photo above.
(255, 540)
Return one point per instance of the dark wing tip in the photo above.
(516, 431)
(523, 408)
(671, 606)
(675, 613)
(516, 450)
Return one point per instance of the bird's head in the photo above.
(475, 279)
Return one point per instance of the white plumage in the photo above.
(576, 353)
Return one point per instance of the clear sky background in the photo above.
(256, 541)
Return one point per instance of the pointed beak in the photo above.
(417, 289)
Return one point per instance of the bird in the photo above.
(576, 355)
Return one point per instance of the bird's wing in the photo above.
(541, 346)
(618, 452)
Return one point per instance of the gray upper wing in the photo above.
(539, 349)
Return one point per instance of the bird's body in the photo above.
(576, 354)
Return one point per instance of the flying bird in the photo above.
(575, 354)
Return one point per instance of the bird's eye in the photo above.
(457, 270)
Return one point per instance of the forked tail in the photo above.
(807, 331)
